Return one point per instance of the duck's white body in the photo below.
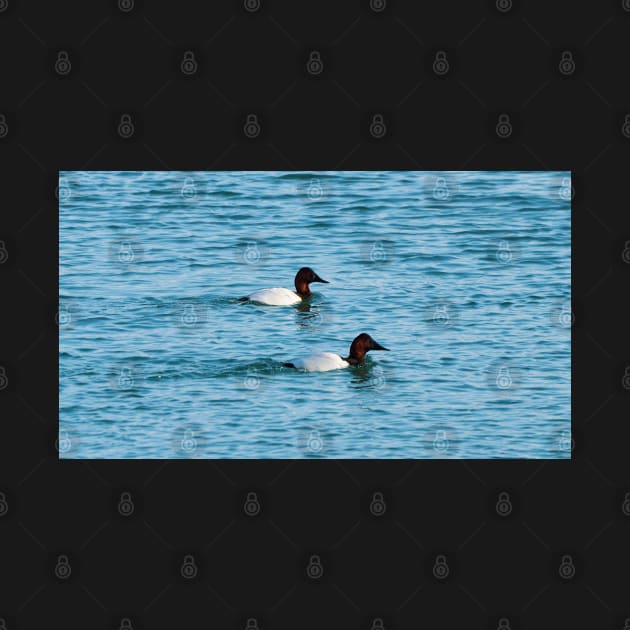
(276, 296)
(320, 362)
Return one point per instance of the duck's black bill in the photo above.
(377, 346)
(318, 279)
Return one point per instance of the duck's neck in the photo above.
(301, 288)
(354, 360)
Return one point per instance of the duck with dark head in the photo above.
(277, 296)
(303, 278)
(325, 361)
(360, 346)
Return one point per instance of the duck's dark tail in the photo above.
(243, 299)
(288, 365)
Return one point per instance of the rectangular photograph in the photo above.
(323, 314)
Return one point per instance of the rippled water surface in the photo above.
(465, 276)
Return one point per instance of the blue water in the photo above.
(465, 276)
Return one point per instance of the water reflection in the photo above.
(309, 316)
(367, 375)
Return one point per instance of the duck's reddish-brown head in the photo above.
(303, 278)
(361, 346)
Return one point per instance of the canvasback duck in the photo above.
(277, 296)
(325, 361)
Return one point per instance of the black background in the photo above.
(378, 58)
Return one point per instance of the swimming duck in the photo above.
(277, 296)
(325, 361)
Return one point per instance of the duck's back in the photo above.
(275, 296)
(320, 362)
